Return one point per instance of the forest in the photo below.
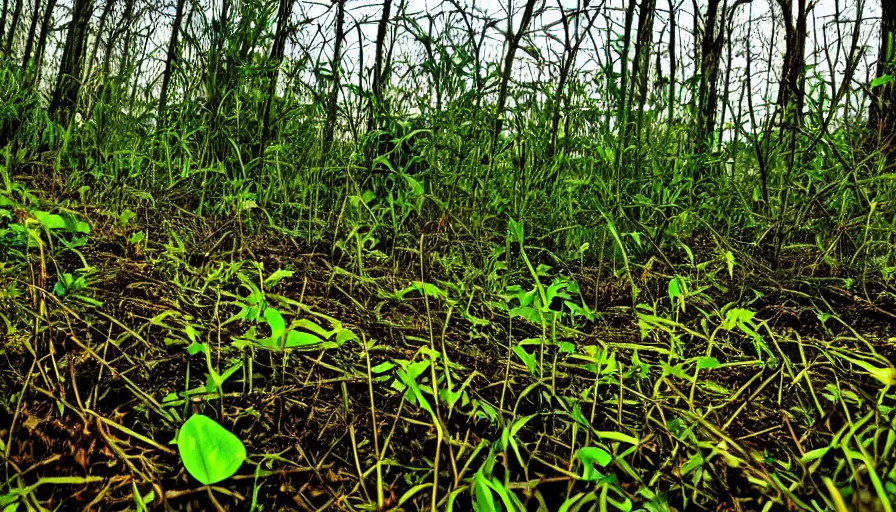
(448, 255)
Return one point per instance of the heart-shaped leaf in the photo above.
(209, 451)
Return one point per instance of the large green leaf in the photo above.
(209, 452)
(301, 339)
(881, 80)
(49, 220)
(589, 456)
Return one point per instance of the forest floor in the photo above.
(738, 387)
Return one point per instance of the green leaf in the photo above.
(484, 500)
(276, 277)
(707, 363)
(674, 290)
(126, 216)
(416, 187)
(345, 335)
(59, 288)
(313, 327)
(881, 80)
(136, 238)
(516, 228)
(197, 348)
(210, 453)
(589, 456)
(526, 357)
(382, 367)
(49, 220)
(815, 454)
(275, 321)
(617, 436)
(301, 339)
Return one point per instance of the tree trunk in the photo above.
(710, 51)
(276, 59)
(124, 62)
(3, 12)
(92, 56)
(32, 29)
(380, 73)
(673, 33)
(790, 91)
(135, 82)
(641, 64)
(333, 100)
(883, 101)
(729, 58)
(16, 14)
(622, 111)
(68, 83)
(171, 58)
(513, 42)
(42, 39)
(571, 50)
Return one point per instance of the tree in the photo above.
(791, 90)
(42, 39)
(32, 29)
(380, 71)
(622, 99)
(673, 60)
(336, 64)
(171, 57)
(276, 59)
(710, 52)
(883, 101)
(572, 42)
(68, 82)
(3, 12)
(641, 64)
(512, 43)
(16, 13)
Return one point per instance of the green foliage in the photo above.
(208, 451)
(560, 297)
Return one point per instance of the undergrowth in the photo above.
(424, 316)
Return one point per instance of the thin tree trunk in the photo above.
(32, 30)
(729, 57)
(171, 57)
(107, 85)
(883, 101)
(3, 12)
(710, 51)
(16, 14)
(336, 64)
(135, 82)
(571, 50)
(127, 45)
(107, 9)
(758, 147)
(641, 64)
(42, 39)
(379, 71)
(622, 111)
(673, 32)
(790, 90)
(68, 83)
(513, 42)
(276, 60)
